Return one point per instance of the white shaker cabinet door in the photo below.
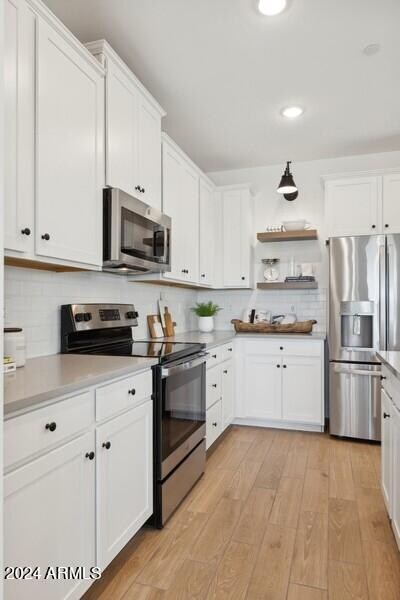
(232, 233)
(395, 427)
(208, 230)
(121, 119)
(124, 479)
(70, 165)
(49, 520)
(262, 387)
(228, 398)
(302, 393)
(172, 192)
(19, 125)
(391, 203)
(190, 231)
(149, 153)
(386, 450)
(352, 206)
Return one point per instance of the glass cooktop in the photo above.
(150, 349)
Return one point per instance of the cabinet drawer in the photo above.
(213, 423)
(226, 351)
(215, 357)
(284, 346)
(120, 395)
(33, 432)
(213, 386)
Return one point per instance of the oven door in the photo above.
(135, 235)
(182, 411)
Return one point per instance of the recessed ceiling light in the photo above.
(271, 7)
(371, 49)
(292, 112)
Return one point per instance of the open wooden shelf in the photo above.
(287, 236)
(290, 285)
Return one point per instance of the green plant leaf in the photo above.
(206, 309)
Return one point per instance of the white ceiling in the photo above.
(223, 72)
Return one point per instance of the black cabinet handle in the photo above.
(215, 424)
(214, 385)
(226, 371)
(203, 275)
(143, 190)
(284, 366)
(278, 366)
(383, 377)
(214, 355)
(373, 226)
(26, 231)
(230, 349)
(280, 347)
(46, 237)
(386, 415)
(89, 455)
(106, 445)
(51, 426)
(132, 391)
(137, 188)
(243, 278)
(386, 225)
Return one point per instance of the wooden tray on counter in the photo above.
(299, 327)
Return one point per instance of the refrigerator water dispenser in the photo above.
(357, 324)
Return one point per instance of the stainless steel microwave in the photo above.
(136, 237)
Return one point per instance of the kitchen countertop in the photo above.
(216, 338)
(47, 377)
(391, 359)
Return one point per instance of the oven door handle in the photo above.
(184, 366)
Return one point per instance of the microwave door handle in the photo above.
(184, 366)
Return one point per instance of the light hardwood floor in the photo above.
(278, 515)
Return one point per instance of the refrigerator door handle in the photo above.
(364, 372)
(382, 297)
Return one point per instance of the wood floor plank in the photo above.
(233, 573)
(341, 483)
(301, 592)
(254, 517)
(347, 582)
(192, 582)
(272, 468)
(286, 507)
(344, 531)
(315, 491)
(270, 577)
(244, 434)
(318, 454)
(261, 445)
(382, 569)
(143, 592)
(235, 454)
(217, 532)
(210, 490)
(296, 462)
(364, 473)
(167, 560)
(374, 521)
(310, 557)
(243, 480)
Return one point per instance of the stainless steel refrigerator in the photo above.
(364, 295)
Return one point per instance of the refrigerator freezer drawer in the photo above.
(355, 399)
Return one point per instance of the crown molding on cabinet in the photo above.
(103, 47)
(40, 9)
(349, 175)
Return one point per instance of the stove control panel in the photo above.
(86, 317)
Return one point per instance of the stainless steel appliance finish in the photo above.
(364, 298)
(136, 237)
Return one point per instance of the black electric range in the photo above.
(179, 392)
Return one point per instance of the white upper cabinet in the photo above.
(237, 219)
(19, 124)
(133, 130)
(181, 203)
(363, 205)
(207, 232)
(353, 206)
(391, 203)
(70, 173)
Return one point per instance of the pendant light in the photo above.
(287, 186)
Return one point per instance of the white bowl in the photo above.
(294, 225)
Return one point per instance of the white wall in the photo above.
(33, 299)
(271, 209)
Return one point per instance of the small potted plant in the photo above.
(206, 312)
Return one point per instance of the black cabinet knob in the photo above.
(46, 237)
(383, 377)
(230, 349)
(214, 385)
(226, 371)
(106, 445)
(284, 366)
(137, 188)
(26, 231)
(203, 275)
(89, 455)
(386, 225)
(132, 391)
(143, 190)
(215, 424)
(243, 278)
(214, 355)
(280, 347)
(386, 415)
(51, 426)
(278, 366)
(373, 226)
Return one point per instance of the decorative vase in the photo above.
(206, 324)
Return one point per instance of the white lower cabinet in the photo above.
(281, 383)
(396, 473)
(386, 448)
(124, 479)
(220, 399)
(49, 520)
